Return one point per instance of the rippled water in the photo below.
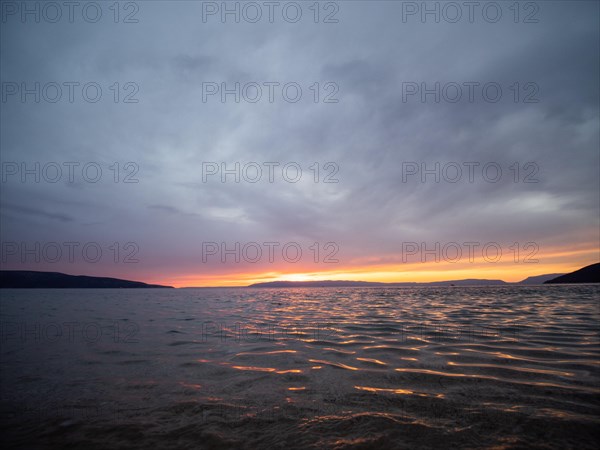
(501, 367)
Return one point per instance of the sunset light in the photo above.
(309, 224)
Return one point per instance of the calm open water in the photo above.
(477, 367)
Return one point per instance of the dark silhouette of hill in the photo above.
(587, 274)
(25, 279)
(540, 279)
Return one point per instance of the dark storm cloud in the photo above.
(36, 212)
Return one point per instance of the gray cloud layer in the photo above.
(369, 133)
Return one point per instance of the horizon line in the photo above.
(328, 282)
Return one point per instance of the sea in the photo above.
(318, 368)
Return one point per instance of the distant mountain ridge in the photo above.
(347, 283)
(26, 279)
(587, 274)
(319, 283)
(17, 279)
(540, 279)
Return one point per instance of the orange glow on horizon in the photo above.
(557, 261)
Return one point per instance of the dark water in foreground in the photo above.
(493, 367)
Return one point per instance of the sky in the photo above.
(367, 140)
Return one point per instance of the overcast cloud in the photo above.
(368, 134)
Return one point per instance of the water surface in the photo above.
(476, 367)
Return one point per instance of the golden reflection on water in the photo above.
(191, 386)
(529, 358)
(255, 369)
(501, 379)
(263, 369)
(444, 374)
(518, 369)
(398, 391)
(374, 361)
(275, 352)
(334, 364)
(345, 352)
(374, 389)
